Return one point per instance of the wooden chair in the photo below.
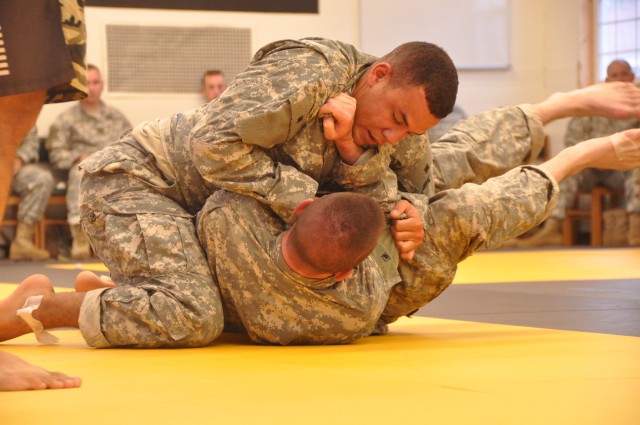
(598, 196)
(39, 234)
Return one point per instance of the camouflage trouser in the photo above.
(166, 296)
(73, 187)
(34, 183)
(627, 181)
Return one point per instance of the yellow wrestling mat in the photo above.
(426, 370)
(550, 265)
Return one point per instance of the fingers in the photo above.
(337, 116)
(407, 229)
(329, 127)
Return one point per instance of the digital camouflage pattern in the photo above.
(266, 299)
(75, 37)
(585, 128)
(263, 297)
(262, 138)
(34, 182)
(166, 295)
(74, 133)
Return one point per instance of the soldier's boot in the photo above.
(615, 227)
(22, 247)
(634, 229)
(80, 247)
(549, 235)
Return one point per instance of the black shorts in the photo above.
(33, 53)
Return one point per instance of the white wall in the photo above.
(544, 52)
(337, 19)
(544, 59)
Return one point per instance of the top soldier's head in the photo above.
(212, 84)
(620, 70)
(332, 235)
(405, 92)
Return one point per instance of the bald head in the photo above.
(620, 70)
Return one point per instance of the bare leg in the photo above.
(55, 310)
(18, 375)
(87, 281)
(612, 100)
(19, 114)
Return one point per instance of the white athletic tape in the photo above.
(629, 151)
(26, 313)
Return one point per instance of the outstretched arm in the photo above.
(620, 151)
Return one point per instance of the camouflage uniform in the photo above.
(76, 132)
(34, 182)
(261, 137)
(585, 128)
(265, 298)
(274, 305)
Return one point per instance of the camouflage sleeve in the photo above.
(371, 176)
(407, 167)
(579, 129)
(487, 145)
(266, 105)
(60, 146)
(461, 221)
(29, 149)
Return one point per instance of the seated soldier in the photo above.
(34, 183)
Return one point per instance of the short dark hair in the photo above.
(209, 72)
(418, 63)
(338, 231)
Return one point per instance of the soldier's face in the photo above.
(213, 87)
(94, 84)
(619, 71)
(386, 113)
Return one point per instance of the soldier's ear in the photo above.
(302, 205)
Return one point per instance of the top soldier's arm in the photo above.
(266, 105)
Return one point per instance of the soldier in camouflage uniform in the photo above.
(34, 183)
(584, 128)
(42, 50)
(75, 134)
(266, 297)
(138, 196)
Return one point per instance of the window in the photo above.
(618, 34)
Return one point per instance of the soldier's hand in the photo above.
(407, 229)
(337, 116)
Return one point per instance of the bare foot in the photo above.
(87, 281)
(11, 325)
(613, 100)
(18, 375)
